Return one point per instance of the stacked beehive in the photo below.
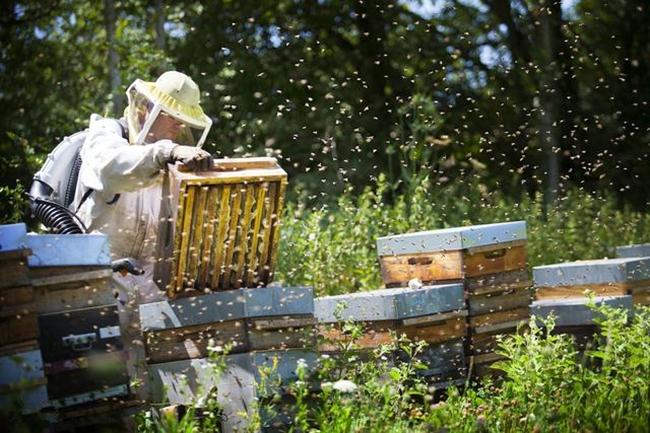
(266, 318)
(434, 314)
(565, 286)
(264, 322)
(575, 317)
(238, 385)
(490, 260)
(216, 256)
(64, 321)
(80, 334)
(21, 365)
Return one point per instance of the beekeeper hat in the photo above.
(173, 93)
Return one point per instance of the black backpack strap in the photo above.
(84, 198)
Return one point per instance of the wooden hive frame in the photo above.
(224, 231)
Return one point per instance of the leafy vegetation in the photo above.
(333, 248)
(343, 90)
(549, 385)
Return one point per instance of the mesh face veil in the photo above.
(166, 109)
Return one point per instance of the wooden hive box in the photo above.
(492, 316)
(638, 250)
(434, 314)
(452, 254)
(223, 225)
(574, 317)
(605, 277)
(498, 304)
(18, 323)
(495, 314)
(248, 319)
(79, 328)
(22, 378)
(431, 313)
(239, 389)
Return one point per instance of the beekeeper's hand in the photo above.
(194, 158)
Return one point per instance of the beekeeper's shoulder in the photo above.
(99, 124)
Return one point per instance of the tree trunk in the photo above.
(550, 96)
(159, 17)
(110, 17)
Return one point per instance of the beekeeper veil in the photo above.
(166, 109)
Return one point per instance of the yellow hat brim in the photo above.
(191, 114)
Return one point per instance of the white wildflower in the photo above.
(301, 366)
(346, 386)
(213, 347)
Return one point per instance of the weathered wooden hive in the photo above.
(638, 250)
(490, 260)
(604, 277)
(575, 317)
(434, 314)
(21, 363)
(272, 325)
(78, 320)
(66, 341)
(242, 388)
(222, 229)
(263, 318)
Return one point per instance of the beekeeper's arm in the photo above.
(112, 165)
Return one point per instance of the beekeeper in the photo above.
(120, 186)
(120, 179)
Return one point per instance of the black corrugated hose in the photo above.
(52, 215)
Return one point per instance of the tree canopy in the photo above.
(526, 95)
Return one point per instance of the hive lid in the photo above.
(68, 250)
(390, 304)
(638, 250)
(452, 239)
(576, 312)
(11, 237)
(216, 307)
(602, 271)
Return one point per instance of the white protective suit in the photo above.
(111, 165)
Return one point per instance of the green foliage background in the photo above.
(333, 248)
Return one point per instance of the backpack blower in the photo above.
(53, 191)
